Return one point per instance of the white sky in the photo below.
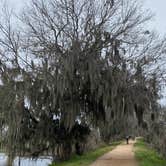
(158, 7)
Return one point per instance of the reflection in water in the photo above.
(41, 161)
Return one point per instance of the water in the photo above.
(3, 159)
(41, 161)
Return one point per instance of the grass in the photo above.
(88, 158)
(147, 156)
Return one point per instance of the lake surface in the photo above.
(41, 161)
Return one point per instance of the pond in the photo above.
(41, 161)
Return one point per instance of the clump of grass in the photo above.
(147, 156)
(87, 158)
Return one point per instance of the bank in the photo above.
(87, 158)
(147, 156)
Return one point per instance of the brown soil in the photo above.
(122, 155)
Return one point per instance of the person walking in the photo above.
(127, 139)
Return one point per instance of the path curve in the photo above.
(122, 155)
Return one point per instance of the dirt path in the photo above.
(122, 155)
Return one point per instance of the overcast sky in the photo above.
(158, 7)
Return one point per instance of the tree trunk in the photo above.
(10, 159)
(79, 148)
(64, 151)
